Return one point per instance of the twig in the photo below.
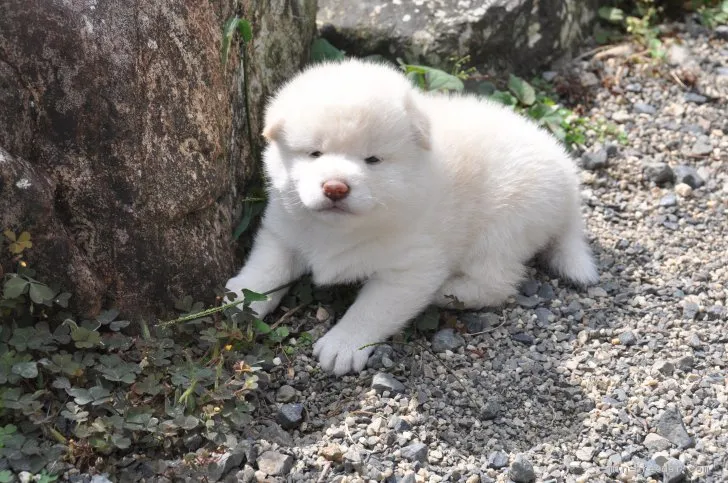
(677, 79)
(487, 331)
(205, 313)
(288, 315)
(324, 472)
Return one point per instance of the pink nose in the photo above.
(335, 190)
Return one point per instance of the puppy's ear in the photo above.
(419, 120)
(272, 129)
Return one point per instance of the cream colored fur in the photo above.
(465, 193)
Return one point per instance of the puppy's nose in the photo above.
(335, 190)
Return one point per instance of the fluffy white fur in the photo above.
(465, 193)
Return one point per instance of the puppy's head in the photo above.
(347, 141)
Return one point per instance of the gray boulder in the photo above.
(511, 34)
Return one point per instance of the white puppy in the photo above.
(422, 196)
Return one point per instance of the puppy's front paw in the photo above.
(236, 286)
(339, 351)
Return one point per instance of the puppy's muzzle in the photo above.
(335, 190)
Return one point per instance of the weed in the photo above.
(641, 25)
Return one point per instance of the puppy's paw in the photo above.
(340, 352)
(236, 286)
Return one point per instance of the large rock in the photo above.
(510, 34)
(126, 145)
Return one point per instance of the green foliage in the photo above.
(640, 24)
(232, 26)
(322, 50)
(712, 12)
(80, 388)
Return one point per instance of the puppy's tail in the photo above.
(571, 257)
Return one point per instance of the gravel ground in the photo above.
(626, 381)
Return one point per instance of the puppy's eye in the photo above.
(372, 160)
(315, 154)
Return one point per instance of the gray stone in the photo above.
(678, 55)
(285, 394)
(668, 200)
(528, 302)
(490, 410)
(594, 161)
(498, 33)
(246, 475)
(652, 469)
(382, 357)
(354, 459)
(721, 31)
(274, 463)
(665, 368)
(685, 363)
(721, 71)
(290, 415)
(695, 98)
(408, 477)
(498, 459)
(654, 443)
(521, 470)
(633, 87)
(546, 292)
(542, 316)
(660, 173)
(716, 312)
(100, 479)
(446, 339)
(689, 175)
(549, 75)
(399, 424)
(530, 287)
(478, 322)
(621, 117)
(229, 461)
(674, 471)
(585, 454)
(415, 452)
(589, 79)
(670, 426)
(627, 338)
(642, 108)
(523, 338)
(690, 310)
(702, 147)
(612, 150)
(386, 382)
(695, 342)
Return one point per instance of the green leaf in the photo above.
(85, 338)
(251, 210)
(62, 299)
(250, 296)
(261, 327)
(6, 476)
(28, 370)
(431, 79)
(322, 50)
(504, 98)
(611, 14)
(15, 287)
(245, 30)
(522, 89)
(107, 316)
(40, 293)
(187, 423)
